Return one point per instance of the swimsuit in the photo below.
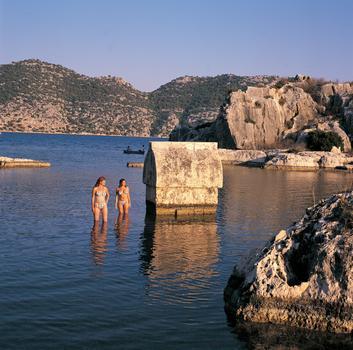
(121, 192)
(100, 204)
(126, 191)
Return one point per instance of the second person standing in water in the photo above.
(100, 197)
(122, 197)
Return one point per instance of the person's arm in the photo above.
(116, 198)
(108, 195)
(92, 200)
(128, 196)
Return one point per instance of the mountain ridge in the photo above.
(38, 96)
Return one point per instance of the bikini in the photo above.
(103, 194)
(120, 192)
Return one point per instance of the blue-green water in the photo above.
(139, 283)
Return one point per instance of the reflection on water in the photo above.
(177, 253)
(250, 196)
(122, 230)
(99, 242)
(255, 204)
(279, 337)
(160, 281)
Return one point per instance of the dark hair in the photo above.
(99, 180)
(121, 182)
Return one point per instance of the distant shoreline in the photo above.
(75, 134)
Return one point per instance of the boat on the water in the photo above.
(131, 151)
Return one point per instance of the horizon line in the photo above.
(176, 78)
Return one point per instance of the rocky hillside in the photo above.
(193, 101)
(279, 114)
(38, 96)
(42, 97)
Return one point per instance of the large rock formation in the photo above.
(273, 116)
(259, 117)
(304, 276)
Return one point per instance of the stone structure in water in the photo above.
(6, 162)
(182, 178)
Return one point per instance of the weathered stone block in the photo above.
(182, 177)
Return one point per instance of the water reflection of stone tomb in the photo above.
(172, 260)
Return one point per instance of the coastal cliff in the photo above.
(303, 277)
(281, 114)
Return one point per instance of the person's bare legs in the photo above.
(104, 228)
(96, 214)
(126, 208)
(95, 228)
(119, 220)
(105, 214)
(121, 208)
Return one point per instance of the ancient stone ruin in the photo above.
(182, 178)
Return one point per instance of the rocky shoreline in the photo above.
(71, 133)
(285, 159)
(303, 277)
(6, 162)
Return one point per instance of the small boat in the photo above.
(131, 151)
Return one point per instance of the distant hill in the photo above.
(42, 97)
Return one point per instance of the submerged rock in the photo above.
(6, 162)
(286, 159)
(243, 157)
(303, 277)
(299, 161)
(308, 160)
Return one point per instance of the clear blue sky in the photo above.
(151, 42)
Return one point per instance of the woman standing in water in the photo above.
(100, 197)
(122, 197)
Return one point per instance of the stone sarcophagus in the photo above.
(182, 177)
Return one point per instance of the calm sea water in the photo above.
(138, 283)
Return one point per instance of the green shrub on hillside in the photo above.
(324, 140)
